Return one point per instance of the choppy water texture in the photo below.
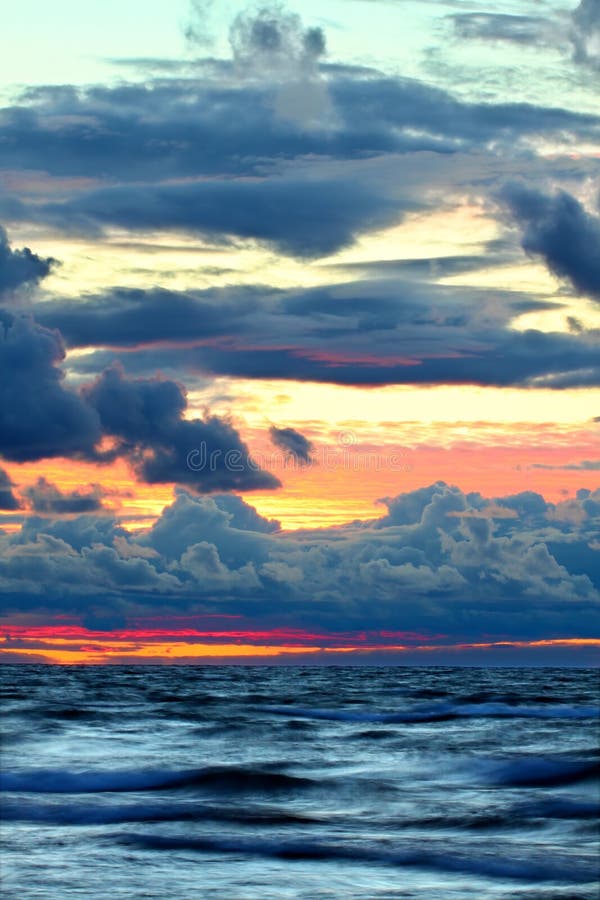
(234, 782)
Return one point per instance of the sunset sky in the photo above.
(300, 355)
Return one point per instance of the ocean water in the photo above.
(263, 782)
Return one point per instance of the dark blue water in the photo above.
(236, 782)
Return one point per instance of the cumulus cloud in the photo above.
(78, 532)
(233, 526)
(244, 517)
(203, 563)
(526, 504)
(410, 508)
(293, 444)
(511, 561)
(47, 499)
(435, 563)
(43, 569)
(559, 229)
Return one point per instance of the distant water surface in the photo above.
(258, 782)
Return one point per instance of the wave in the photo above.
(114, 814)
(440, 712)
(71, 713)
(469, 821)
(225, 778)
(73, 814)
(541, 772)
(559, 808)
(521, 697)
(523, 772)
(375, 734)
(490, 867)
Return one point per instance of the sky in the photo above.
(299, 357)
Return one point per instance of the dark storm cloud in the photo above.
(275, 315)
(143, 418)
(7, 498)
(46, 498)
(394, 103)
(302, 195)
(503, 358)
(146, 417)
(185, 128)
(439, 561)
(293, 443)
(20, 267)
(130, 316)
(174, 128)
(559, 229)
(304, 217)
(381, 331)
(39, 416)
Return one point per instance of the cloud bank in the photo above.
(438, 562)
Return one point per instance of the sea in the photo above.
(261, 782)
